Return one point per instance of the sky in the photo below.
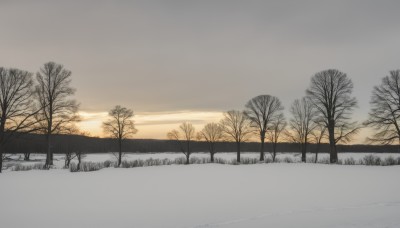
(172, 61)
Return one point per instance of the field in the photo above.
(206, 195)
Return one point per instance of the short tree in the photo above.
(211, 133)
(274, 133)
(384, 116)
(120, 126)
(183, 138)
(262, 111)
(318, 135)
(236, 127)
(302, 123)
(331, 94)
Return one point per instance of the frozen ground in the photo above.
(207, 195)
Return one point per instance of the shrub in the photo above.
(37, 166)
(268, 160)
(108, 164)
(287, 160)
(310, 159)
(350, 161)
(372, 160)
(248, 161)
(196, 160)
(220, 161)
(324, 160)
(180, 161)
(390, 161)
(86, 166)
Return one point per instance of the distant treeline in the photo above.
(36, 143)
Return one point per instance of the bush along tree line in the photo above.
(44, 106)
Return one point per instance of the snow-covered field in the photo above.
(59, 158)
(206, 195)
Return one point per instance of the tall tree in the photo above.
(58, 111)
(184, 138)
(211, 133)
(302, 123)
(262, 111)
(16, 110)
(274, 133)
(385, 110)
(236, 126)
(331, 93)
(120, 126)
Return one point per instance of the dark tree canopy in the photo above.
(331, 94)
(53, 94)
(211, 133)
(120, 126)
(385, 110)
(16, 109)
(262, 111)
(184, 137)
(236, 127)
(274, 133)
(302, 123)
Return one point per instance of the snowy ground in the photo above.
(59, 159)
(206, 195)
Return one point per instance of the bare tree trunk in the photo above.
(238, 152)
(273, 152)
(316, 153)
(78, 167)
(67, 163)
(1, 146)
(262, 147)
(120, 152)
(304, 152)
(1, 158)
(212, 152)
(49, 162)
(332, 145)
(187, 159)
(27, 156)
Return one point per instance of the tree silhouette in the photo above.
(385, 110)
(331, 94)
(236, 127)
(120, 126)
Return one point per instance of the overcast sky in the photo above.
(182, 58)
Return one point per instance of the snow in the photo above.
(206, 195)
(59, 158)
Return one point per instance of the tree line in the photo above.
(44, 105)
(323, 115)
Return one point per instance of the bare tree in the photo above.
(274, 132)
(53, 94)
(183, 138)
(318, 135)
(80, 150)
(120, 126)
(70, 147)
(211, 133)
(16, 110)
(330, 91)
(302, 123)
(262, 111)
(384, 116)
(236, 126)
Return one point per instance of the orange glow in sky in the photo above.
(150, 125)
